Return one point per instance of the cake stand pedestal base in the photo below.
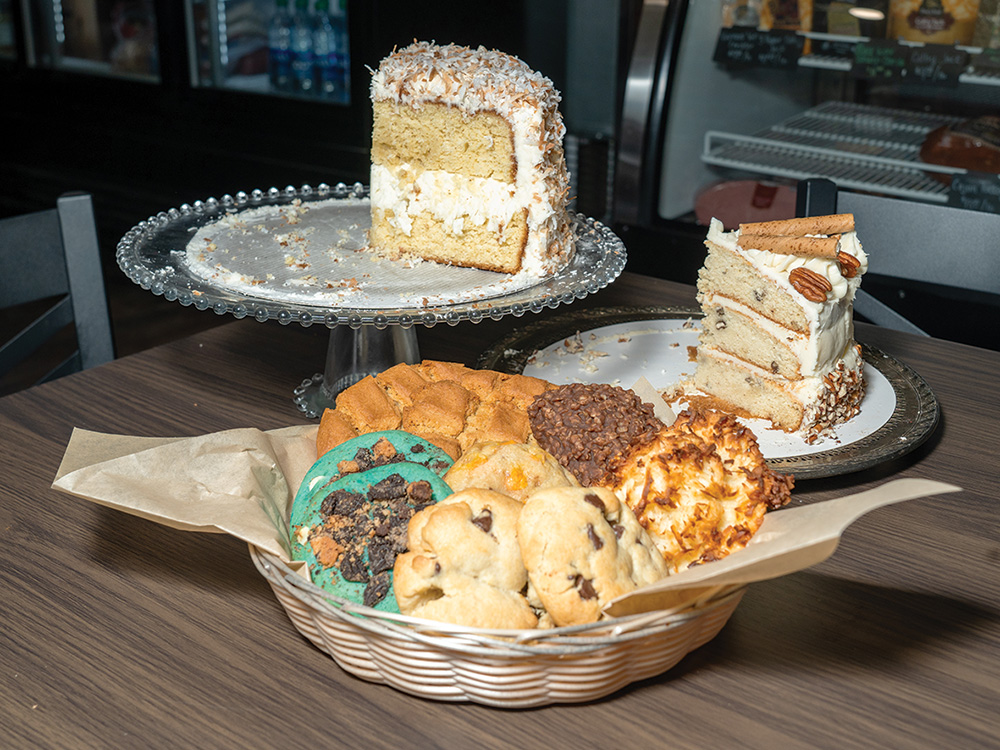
(353, 354)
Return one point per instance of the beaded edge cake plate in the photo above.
(912, 421)
(153, 255)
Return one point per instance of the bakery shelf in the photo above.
(858, 146)
(843, 64)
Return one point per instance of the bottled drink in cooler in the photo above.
(302, 49)
(279, 39)
(327, 54)
(339, 22)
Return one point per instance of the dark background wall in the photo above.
(140, 148)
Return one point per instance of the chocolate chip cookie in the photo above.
(582, 548)
(464, 563)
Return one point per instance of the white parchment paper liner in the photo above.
(242, 482)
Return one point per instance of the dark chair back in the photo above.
(928, 243)
(53, 255)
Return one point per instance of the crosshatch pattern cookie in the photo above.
(351, 531)
(514, 469)
(582, 548)
(464, 563)
(448, 404)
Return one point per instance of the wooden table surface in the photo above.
(119, 632)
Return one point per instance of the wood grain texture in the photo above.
(118, 632)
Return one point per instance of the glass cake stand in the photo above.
(295, 256)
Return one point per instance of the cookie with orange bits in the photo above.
(513, 469)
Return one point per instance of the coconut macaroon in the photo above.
(701, 488)
(467, 161)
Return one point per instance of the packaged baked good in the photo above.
(973, 144)
(933, 21)
(987, 31)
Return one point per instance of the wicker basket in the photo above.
(506, 669)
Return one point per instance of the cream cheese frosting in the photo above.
(776, 266)
(829, 385)
(831, 326)
(818, 351)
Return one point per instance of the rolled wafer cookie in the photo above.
(831, 224)
(809, 247)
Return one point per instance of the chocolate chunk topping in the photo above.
(594, 538)
(391, 487)
(380, 454)
(418, 448)
(584, 587)
(594, 500)
(382, 520)
(381, 554)
(364, 459)
(376, 589)
(352, 565)
(618, 529)
(420, 492)
(484, 521)
(341, 503)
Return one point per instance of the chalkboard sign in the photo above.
(743, 47)
(832, 48)
(879, 60)
(986, 62)
(976, 191)
(936, 65)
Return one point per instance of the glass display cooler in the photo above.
(272, 47)
(261, 46)
(728, 103)
(115, 38)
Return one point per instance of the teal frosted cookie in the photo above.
(351, 530)
(368, 451)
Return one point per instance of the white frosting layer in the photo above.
(454, 199)
(806, 391)
(831, 323)
(817, 352)
(474, 81)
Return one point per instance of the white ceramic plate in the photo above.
(621, 345)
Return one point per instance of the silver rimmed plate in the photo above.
(620, 345)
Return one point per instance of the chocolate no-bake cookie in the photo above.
(591, 428)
